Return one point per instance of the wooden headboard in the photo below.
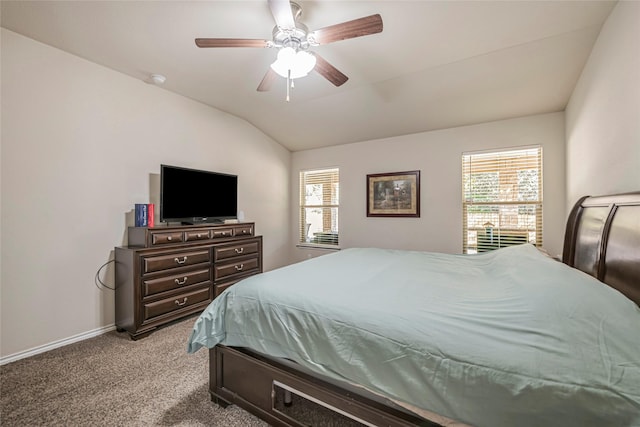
(602, 239)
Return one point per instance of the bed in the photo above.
(398, 338)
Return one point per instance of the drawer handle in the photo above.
(239, 251)
(178, 303)
(199, 235)
(181, 282)
(184, 259)
(239, 267)
(169, 238)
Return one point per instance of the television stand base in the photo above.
(201, 221)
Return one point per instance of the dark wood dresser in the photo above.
(166, 273)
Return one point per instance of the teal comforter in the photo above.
(505, 338)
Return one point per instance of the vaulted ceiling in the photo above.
(436, 64)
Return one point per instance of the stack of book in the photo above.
(144, 215)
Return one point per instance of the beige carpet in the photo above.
(111, 380)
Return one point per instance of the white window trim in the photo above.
(311, 245)
(537, 204)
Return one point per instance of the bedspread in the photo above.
(504, 338)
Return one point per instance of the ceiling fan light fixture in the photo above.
(300, 63)
(293, 39)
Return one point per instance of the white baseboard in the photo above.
(56, 344)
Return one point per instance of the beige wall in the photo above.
(438, 157)
(603, 115)
(80, 145)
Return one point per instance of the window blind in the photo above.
(319, 202)
(501, 199)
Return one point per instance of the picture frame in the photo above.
(394, 194)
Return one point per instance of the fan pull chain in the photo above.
(288, 83)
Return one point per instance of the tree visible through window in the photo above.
(502, 199)
(319, 200)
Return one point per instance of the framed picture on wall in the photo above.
(394, 194)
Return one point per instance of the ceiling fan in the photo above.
(293, 40)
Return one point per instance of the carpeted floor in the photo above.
(111, 380)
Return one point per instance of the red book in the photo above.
(150, 215)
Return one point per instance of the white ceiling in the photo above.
(437, 64)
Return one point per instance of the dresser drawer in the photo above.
(180, 259)
(235, 268)
(167, 238)
(190, 236)
(236, 250)
(176, 281)
(218, 233)
(243, 230)
(218, 289)
(168, 305)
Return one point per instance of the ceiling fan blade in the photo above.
(329, 72)
(232, 43)
(348, 30)
(281, 11)
(267, 80)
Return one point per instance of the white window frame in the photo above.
(322, 231)
(509, 211)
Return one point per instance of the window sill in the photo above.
(318, 246)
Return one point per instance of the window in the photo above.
(319, 196)
(501, 199)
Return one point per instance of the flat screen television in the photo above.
(193, 196)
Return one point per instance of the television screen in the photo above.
(196, 196)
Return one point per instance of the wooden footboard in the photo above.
(253, 382)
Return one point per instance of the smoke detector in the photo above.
(157, 79)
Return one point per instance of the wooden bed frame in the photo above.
(602, 238)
